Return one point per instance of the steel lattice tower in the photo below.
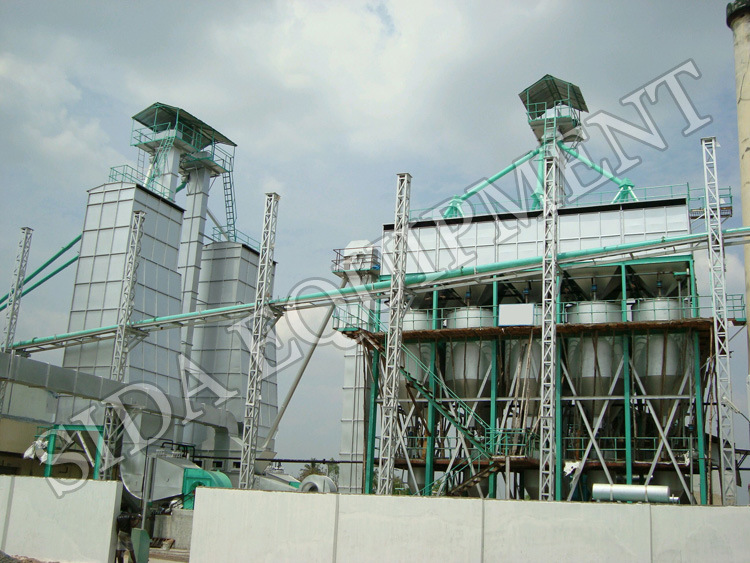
(261, 322)
(112, 420)
(551, 186)
(398, 307)
(717, 278)
(14, 298)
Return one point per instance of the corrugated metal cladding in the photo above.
(434, 248)
(228, 276)
(98, 286)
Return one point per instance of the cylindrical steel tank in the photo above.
(592, 361)
(523, 363)
(468, 362)
(660, 359)
(415, 319)
(415, 360)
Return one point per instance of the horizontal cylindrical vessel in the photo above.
(632, 493)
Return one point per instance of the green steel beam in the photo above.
(53, 273)
(626, 382)
(493, 383)
(431, 413)
(454, 209)
(626, 186)
(699, 427)
(372, 424)
(537, 197)
(50, 454)
(51, 442)
(33, 274)
(468, 434)
(558, 405)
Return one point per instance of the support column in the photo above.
(699, 420)
(495, 433)
(431, 414)
(372, 424)
(627, 407)
(393, 361)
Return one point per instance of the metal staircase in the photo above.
(229, 204)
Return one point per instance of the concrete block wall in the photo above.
(233, 525)
(177, 526)
(78, 526)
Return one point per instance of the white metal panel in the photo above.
(510, 239)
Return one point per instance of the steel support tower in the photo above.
(398, 305)
(717, 278)
(261, 321)
(112, 420)
(551, 186)
(14, 299)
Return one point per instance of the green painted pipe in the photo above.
(53, 273)
(33, 274)
(623, 183)
(411, 279)
(454, 209)
(180, 187)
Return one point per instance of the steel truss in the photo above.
(14, 299)
(261, 323)
(552, 187)
(112, 420)
(393, 362)
(720, 364)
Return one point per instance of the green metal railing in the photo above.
(128, 174)
(599, 196)
(201, 140)
(355, 316)
(218, 235)
(613, 447)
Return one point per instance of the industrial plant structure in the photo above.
(548, 344)
(548, 347)
(145, 252)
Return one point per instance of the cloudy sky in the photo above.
(327, 102)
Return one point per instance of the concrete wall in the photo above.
(233, 525)
(79, 526)
(177, 526)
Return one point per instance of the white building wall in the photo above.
(77, 526)
(314, 527)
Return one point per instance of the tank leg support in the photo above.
(372, 424)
